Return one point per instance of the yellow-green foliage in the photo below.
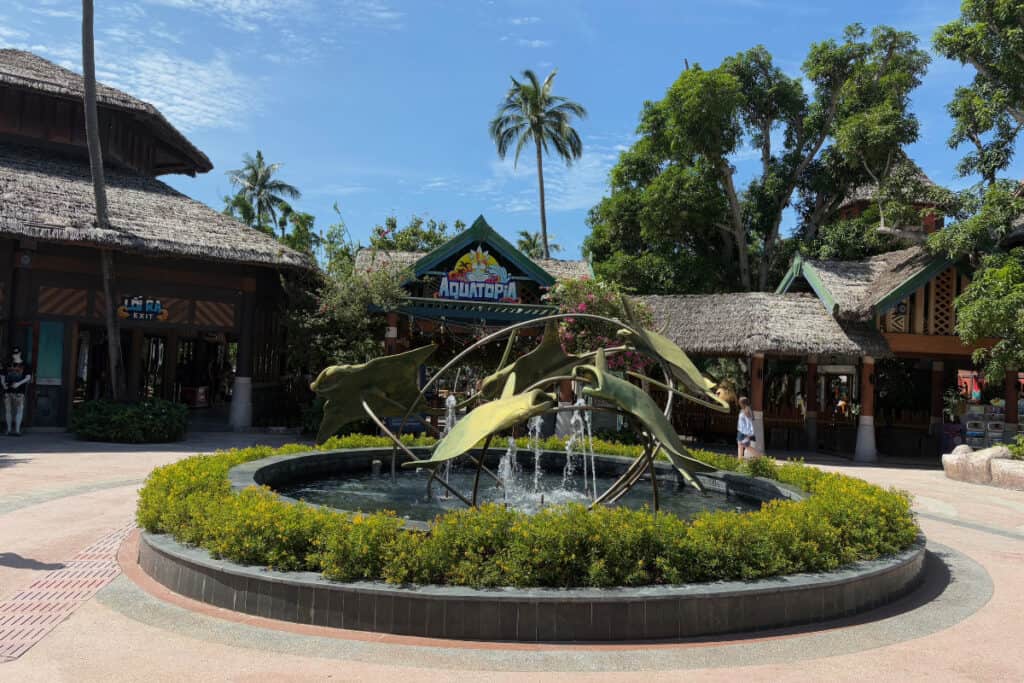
(843, 520)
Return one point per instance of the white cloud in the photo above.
(191, 94)
(252, 15)
(525, 42)
(513, 188)
(523, 21)
(11, 35)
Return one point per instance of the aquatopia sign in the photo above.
(478, 277)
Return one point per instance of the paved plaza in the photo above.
(66, 507)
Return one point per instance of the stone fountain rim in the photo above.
(260, 473)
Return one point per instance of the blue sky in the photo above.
(383, 105)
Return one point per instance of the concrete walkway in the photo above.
(59, 497)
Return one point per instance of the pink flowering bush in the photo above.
(596, 297)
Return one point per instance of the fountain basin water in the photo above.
(351, 474)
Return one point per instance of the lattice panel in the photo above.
(943, 292)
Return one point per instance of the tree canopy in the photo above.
(676, 221)
(417, 235)
(261, 195)
(987, 119)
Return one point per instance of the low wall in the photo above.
(533, 615)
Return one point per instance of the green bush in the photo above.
(843, 520)
(152, 421)
(1017, 448)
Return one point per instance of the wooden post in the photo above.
(917, 327)
(938, 374)
(865, 450)
(391, 334)
(757, 398)
(1011, 391)
(811, 403)
(170, 365)
(135, 364)
(240, 415)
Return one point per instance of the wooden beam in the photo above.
(929, 345)
(917, 327)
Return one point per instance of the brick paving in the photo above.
(31, 613)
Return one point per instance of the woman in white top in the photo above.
(745, 439)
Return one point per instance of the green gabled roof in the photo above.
(801, 268)
(858, 290)
(480, 231)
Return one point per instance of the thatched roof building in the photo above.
(742, 324)
(24, 71)
(48, 196)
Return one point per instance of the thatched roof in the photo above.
(857, 286)
(371, 259)
(759, 322)
(20, 69)
(868, 191)
(48, 196)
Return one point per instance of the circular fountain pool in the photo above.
(407, 495)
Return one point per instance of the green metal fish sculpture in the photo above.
(631, 399)
(488, 419)
(389, 385)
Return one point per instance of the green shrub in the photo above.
(843, 520)
(1017, 448)
(152, 421)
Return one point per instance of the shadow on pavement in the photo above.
(16, 561)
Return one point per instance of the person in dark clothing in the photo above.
(15, 380)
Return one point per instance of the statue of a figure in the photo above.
(15, 380)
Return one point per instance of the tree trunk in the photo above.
(92, 135)
(736, 222)
(543, 215)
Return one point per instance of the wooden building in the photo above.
(830, 323)
(197, 292)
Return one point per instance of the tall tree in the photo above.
(532, 244)
(116, 373)
(987, 117)
(257, 184)
(531, 113)
(677, 184)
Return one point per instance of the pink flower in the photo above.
(582, 308)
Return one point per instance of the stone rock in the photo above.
(962, 448)
(975, 467)
(1008, 474)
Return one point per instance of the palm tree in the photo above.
(531, 112)
(531, 244)
(256, 183)
(92, 136)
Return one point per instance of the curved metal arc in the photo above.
(487, 340)
(673, 390)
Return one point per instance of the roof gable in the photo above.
(858, 290)
(480, 231)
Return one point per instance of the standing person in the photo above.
(15, 380)
(745, 439)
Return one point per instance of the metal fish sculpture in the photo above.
(488, 419)
(633, 400)
(389, 385)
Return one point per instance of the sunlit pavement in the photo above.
(59, 497)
